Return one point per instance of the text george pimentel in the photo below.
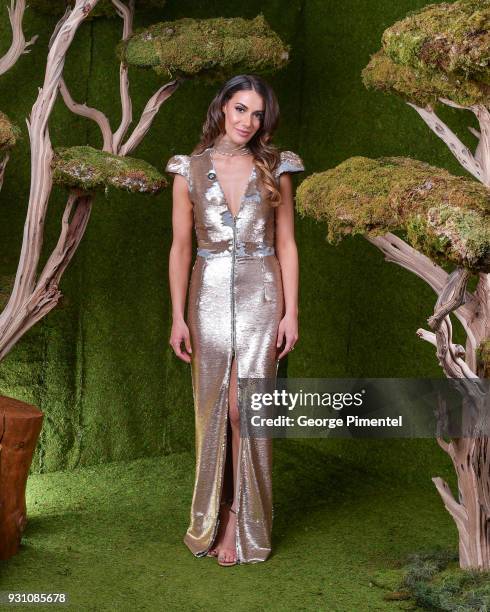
(304, 421)
(337, 401)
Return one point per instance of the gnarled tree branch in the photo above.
(398, 251)
(19, 44)
(91, 113)
(457, 148)
(127, 14)
(151, 109)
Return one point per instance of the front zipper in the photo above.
(232, 285)
(233, 352)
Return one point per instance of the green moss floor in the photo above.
(111, 535)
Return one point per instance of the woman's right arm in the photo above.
(179, 264)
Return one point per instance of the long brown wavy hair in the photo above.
(266, 155)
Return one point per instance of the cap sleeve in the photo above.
(290, 162)
(180, 164)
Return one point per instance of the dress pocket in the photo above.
(199, 280)
(195, 283)
(268, 281)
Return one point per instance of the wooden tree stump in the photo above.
(20, 425)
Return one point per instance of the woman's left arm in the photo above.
(287, 253)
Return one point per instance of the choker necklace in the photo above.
(230, 149)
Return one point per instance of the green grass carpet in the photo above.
(111, 535)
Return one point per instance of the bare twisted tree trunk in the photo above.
(470, 453)
(46, 294)
(471, 460)
(32, 298)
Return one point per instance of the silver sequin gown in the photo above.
(235, 304)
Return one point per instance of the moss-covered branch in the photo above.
(450, 38)
(88, 169)
(442, 50)
(421, 86)
(444, 216)
(213, 48)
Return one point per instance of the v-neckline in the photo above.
(242, 199)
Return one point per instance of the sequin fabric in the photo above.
(235, 304)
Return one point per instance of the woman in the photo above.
(242, 310)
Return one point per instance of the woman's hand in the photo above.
(178, 335)
(287, 331)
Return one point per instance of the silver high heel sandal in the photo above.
(212, 551)
(228, 563)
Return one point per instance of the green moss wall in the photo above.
(100, 366)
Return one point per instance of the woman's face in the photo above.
(243, 112)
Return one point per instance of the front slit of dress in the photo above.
(237, 476)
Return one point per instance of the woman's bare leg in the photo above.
(225, 545)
